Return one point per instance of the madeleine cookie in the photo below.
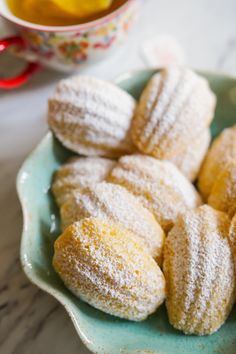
(159, 185)
(78, 173)
(223, 193)
(92, 117)
(199, 271)
(190, 159)
(110, 269)
(174, 108)
(110, 202)
(221, 152)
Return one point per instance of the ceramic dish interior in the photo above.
(100, 332)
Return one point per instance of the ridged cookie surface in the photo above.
(174, 108)
(221, 152)
(77, 173)
(110, 202)
(223, 193)
(109, 269)
(159, 185)
(189, 161)
(199, 271)
(92, 117)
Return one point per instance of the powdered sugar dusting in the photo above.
(176, 100)
(114, 203)
(221, 152)
(199, 271)
(223, 193)
(155, 100)
(92, 117)
(176, 106)
(190, 159)
(109, 269)
(79, 173)
(158, 185)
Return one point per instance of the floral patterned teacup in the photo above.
(66, 48)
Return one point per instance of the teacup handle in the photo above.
(31, 68)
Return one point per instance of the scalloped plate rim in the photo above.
(37, 281)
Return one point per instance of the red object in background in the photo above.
(31, 68)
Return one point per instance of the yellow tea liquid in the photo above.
(47, 12)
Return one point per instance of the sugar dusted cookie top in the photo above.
(110, 269)
(92, 117)
(199, 271)
(77, 173)
(221, 152)
(189, 160)
(159, 185)
(223, 192)
(114, 203)
(174, 108)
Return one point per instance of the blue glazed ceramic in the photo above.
(102, 333)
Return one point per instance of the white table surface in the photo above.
(31, 322)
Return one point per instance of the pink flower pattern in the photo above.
(75, 48)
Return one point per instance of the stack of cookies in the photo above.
(135, 230)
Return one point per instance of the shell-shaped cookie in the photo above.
(114, 203)
(190, 159)
(109, 268)
(223, 193)
(199, 271)
(174, 108)
(220, 153)
(92, 117)
(159, 185)
(77, 173)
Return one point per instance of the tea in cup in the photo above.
(63, 35)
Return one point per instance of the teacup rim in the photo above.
(83, 26)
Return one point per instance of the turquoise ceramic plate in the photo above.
(100, 332)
